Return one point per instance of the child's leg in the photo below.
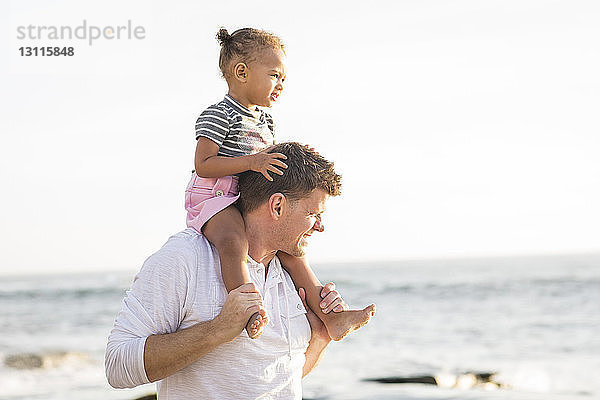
(338, 324)
(226, 231)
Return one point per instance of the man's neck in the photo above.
(258, 247)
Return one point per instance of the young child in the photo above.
(234, 136)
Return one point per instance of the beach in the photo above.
(532, 323)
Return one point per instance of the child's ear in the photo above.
(240, 72)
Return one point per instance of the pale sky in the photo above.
(464, 128)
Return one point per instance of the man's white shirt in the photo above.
(179, 286)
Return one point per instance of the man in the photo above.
(179, 327)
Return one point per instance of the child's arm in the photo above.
(209, 165)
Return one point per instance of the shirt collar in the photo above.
(274, 274)
(241, 109)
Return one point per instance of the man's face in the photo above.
(300, 220)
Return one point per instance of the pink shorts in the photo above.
(204, 197)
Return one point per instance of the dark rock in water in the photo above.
(24, 361)
(463, 381)
(49, 359)
(484, 376)
(426, 379)
(147, 397)
(153, 397)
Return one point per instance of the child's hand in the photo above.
(264, 162)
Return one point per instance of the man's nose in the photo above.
(319, 227)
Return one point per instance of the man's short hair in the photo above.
(307, 170)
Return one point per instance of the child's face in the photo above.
(265, 77)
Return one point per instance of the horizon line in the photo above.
(387, 261)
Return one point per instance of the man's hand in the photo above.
(332, 301)
(241, 303)
(264, 162)
(168, 353)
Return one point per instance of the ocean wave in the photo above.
(75, 293)
(551, 286)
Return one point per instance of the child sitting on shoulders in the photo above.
(234, 136)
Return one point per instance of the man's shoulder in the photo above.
(188, 249)
(186, 235)
(186, 240)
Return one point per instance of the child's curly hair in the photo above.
(243, 45)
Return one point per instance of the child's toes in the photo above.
(257, 324)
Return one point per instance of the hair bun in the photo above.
(223, 36)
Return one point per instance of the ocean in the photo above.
(498, 328)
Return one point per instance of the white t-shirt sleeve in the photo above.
(155, 304)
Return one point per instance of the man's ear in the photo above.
(240, 72)
(276, 204)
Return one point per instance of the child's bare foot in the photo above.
(256, 324)
(348, 321)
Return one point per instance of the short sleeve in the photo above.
(213, 124)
